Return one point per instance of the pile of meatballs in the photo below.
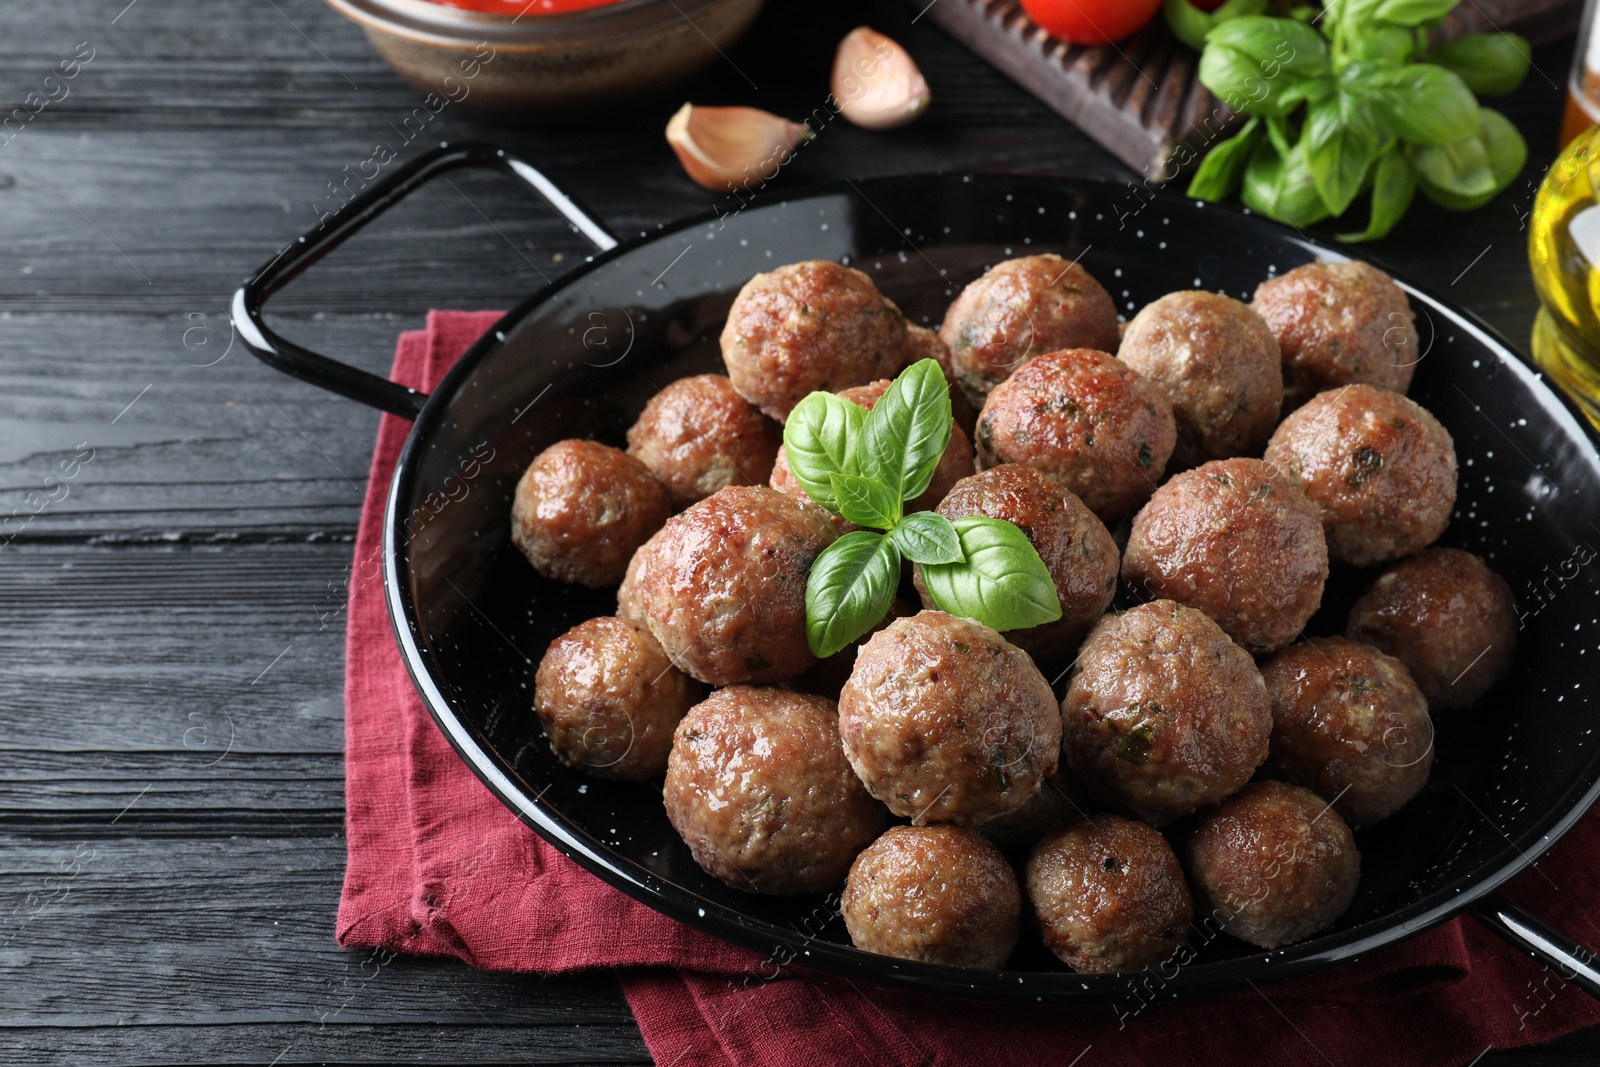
(1115, 777)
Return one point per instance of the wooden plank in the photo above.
(282, 1045)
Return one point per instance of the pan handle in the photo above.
(334, 229)
(1570, 960)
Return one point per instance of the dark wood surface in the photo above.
(171, 789)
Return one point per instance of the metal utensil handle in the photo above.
(1570, 960)
(334, 229)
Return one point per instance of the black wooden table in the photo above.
(171, 783)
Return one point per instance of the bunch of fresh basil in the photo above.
(863, 466)
(1355, 101)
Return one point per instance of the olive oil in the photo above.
(1564, 252)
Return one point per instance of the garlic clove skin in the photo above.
(875, 83)
(727, 148)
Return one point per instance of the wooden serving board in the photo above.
(1140, 97)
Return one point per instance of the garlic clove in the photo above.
(875, 83)
(725, 148)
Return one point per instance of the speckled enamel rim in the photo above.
(1472, 887)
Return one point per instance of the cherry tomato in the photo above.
(1091, 21)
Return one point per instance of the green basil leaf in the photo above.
(1281, 187)
(1342, 141)
(1460, 167)
(1425, 104)
(1491, 64)
(819, 440)
(927, 537)
(907, 431)
(865, 501)
(1003, 583)
(1410, 12)
(1394, 184)
(850, 589)
(1278, 44)
(1383, 44)
(1507, 152)
(1278, 133)
(1218, 175)
(1188, 23)
(1251, 62)
(1310, 90)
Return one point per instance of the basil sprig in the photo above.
(863, 466)
(1353, 102)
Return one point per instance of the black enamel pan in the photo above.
(580, 357)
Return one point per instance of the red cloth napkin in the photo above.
(438, 866)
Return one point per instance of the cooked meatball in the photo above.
(1088, 422)
(697, 435)
(1020, 309)
(937, 894)
(1219, 365)
(923, 343)
(1349, 724)
(758, 789)
(947, 722)
(1058, 804)
(1240, 542)
(955, 464)
(1274, 864)
(608, 698)
(1337, 324)
(1445, 615)
(722, 586)
(1164, 714)
(1379, 468)
(809, 326)
(582, 508)
(1109, 895)
(1075, 547)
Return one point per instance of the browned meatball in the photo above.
(809, 326)
(923, 343)
(1075, 547)
(582, 508)
(1020, 309)
(1349, 724)
(722, 586)
(1274, 864)
(1109, 895)
(697, 435)
(1336, 324)
(1219, 365)
(955, 464)
(937, 894)
(1059, 803)
(1379, 468)
(759, 790)
(1238, 541)
(1164, 714)
(1088, 422)
(947, 722)
(609, 698)
(1445, 615)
